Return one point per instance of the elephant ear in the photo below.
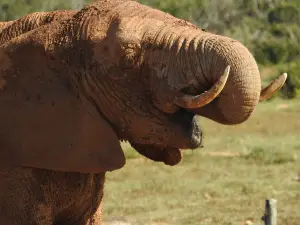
(43, 123)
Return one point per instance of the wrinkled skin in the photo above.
(12, 29)
(34, 196)
(73, 84)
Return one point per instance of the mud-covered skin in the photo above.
(12, 29)
(40, 197)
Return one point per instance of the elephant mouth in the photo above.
(189, 136)
(168, 155)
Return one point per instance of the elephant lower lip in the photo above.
(169, 155)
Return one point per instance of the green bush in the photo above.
(292, 86)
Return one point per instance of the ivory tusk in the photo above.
(274, 86)
(190, 101)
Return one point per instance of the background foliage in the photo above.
(269, 28)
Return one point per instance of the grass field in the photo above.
(225, 183)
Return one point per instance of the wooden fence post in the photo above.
(270, 217)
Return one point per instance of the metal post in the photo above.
(270, 217)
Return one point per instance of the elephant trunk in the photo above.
(210, 75)
(241, 93)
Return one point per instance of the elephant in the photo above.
(73, 84)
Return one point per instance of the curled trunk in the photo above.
(241, 93)
(193, 62)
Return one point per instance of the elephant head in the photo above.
(165, 71)
(210, 75)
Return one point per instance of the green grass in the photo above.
(207, 188)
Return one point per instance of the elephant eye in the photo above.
(131, 56)
(129, 60)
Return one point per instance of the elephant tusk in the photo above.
(190, 101)
(274, 86)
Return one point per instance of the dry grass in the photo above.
(224, 183)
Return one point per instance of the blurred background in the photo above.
(240, 166)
